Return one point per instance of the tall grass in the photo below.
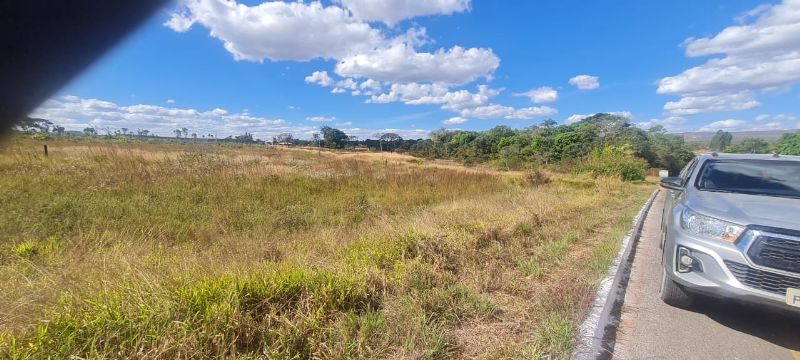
(174, 251)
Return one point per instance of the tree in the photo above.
(789, 144)
(185, 132)
(29, 124)
(334, 138)
(549, 123)
(194, 135)
(316, 138)
(245, 138)
(124, 131)
(660, 129)
(89, 131)
(143, 132)
(284, 139)
(721, 140)
(391, 140)
(178, 133)
(751, 146)
(58, 130)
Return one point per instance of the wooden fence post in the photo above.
(45, 150)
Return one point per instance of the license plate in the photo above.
(793, 297)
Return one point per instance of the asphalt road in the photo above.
(711, 329)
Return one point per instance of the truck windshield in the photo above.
(755, 177)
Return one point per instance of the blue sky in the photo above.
(412, 66)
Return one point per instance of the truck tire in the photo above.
(674, 294)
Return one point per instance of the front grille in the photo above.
(763, 280)
(777, 253)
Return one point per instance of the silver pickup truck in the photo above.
(731, 229)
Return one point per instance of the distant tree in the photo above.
(178, 133)
(316, 138)
(721, 140)
(211, 136)
(58, 129)
(789, 144)
(334, 138)
(660, 129)
(124, 131)
(245, 138)
(751, 146)
(185, 132)
(549, 123)
(352, 138)
(89, 131)
(391, 140)
(285, 138)
(143, 132)
(194, 135)
(29, 124)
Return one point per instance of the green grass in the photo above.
(176, 251)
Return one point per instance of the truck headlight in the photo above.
(707, 226)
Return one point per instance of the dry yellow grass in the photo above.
(170, 251)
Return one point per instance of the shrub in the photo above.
(27, 249)
(537, 177)
(614, 161)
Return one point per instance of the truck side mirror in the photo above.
(672, 183)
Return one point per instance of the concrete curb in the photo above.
(596, 338)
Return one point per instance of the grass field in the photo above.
(195, 251)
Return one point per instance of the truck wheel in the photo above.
(672, 293)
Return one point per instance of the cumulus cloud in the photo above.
(762, 55)
(319, 77)
(75, 113)
(542, 95)
(457, 120)
(727, 125)
(321, 118)
(391, 12)
(170, 101)
(585, 82)
(494, 111)
(278, 30)
(700, 104)
(401, 63)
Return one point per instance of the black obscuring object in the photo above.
(44, 44)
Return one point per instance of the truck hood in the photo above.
(779, 212)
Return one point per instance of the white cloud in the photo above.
(727, 125)
(542, 95)
(338, 91)
(454, 121)
(170, 101)
(672, 123)
(391, 12)
(578, 117)
(347, 83)
(691, 105)
(75, 113)
(278, 30)
(759, 123)
(401, 63)
(494, 111)
(585, 82)
(319, 77)
(762, 55)
(321, 118)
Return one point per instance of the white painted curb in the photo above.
(611, 293)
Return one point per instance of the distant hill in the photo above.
(705, 136)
